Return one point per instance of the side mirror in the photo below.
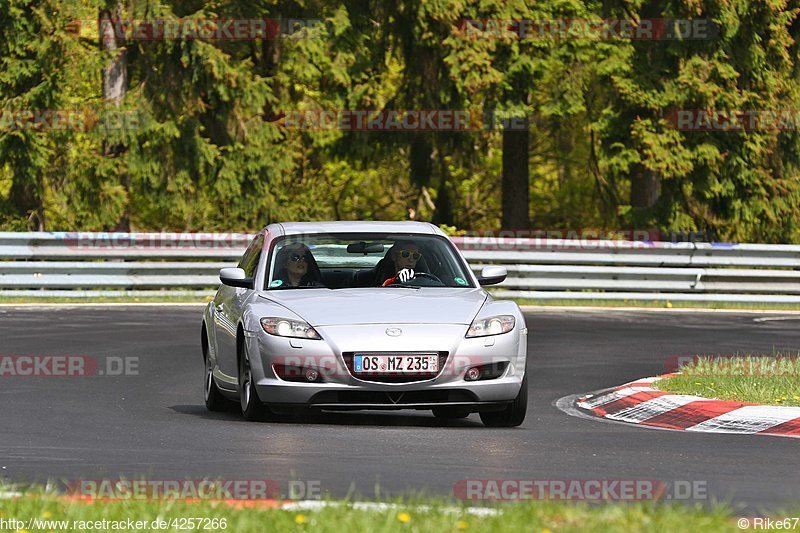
(235, 277)
(492, 275)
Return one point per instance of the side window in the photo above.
(251, 256)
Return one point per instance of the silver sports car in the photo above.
(363, 315)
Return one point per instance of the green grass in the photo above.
(405, 515)
(754, 379)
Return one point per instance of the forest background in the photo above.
(578, 116)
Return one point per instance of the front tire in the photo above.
(213, 397)
(511, 416)
(250, 403)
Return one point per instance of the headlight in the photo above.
(286, 327)
(494, 325)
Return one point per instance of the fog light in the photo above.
(473, 374)
(311, 374)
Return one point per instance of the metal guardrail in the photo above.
(139, 264)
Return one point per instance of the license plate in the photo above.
(396, 364)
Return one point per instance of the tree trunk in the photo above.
(115, 73)
(115, 86)
(420, 158)
(444, 205)
(269, 62)
(516, 176)
(26, 199)
(644, 187)
(565, 148)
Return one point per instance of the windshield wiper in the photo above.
(404, 286)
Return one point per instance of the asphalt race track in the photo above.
(154, 424)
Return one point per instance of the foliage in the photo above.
(200, 141)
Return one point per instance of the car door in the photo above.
(228, 311)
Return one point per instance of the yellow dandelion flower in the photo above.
(47, 514)
(404, 517)
(546, 530)
(462, 525)
(300, 519)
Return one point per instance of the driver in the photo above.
(404, 255)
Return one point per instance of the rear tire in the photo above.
(214, 399)
(511, 416)
(252, 408)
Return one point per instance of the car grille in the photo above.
(394, 378)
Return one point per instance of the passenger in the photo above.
(296, 267)
(403, 256)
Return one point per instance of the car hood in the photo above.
(391, 305)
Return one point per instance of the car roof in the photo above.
(358, 226)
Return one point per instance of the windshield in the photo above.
(337, 261)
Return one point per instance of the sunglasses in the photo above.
(405, 254)
(298, 257)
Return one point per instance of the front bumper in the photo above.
(338, 388)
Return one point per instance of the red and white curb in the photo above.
(639, 403)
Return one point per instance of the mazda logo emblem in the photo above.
(394, 332)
